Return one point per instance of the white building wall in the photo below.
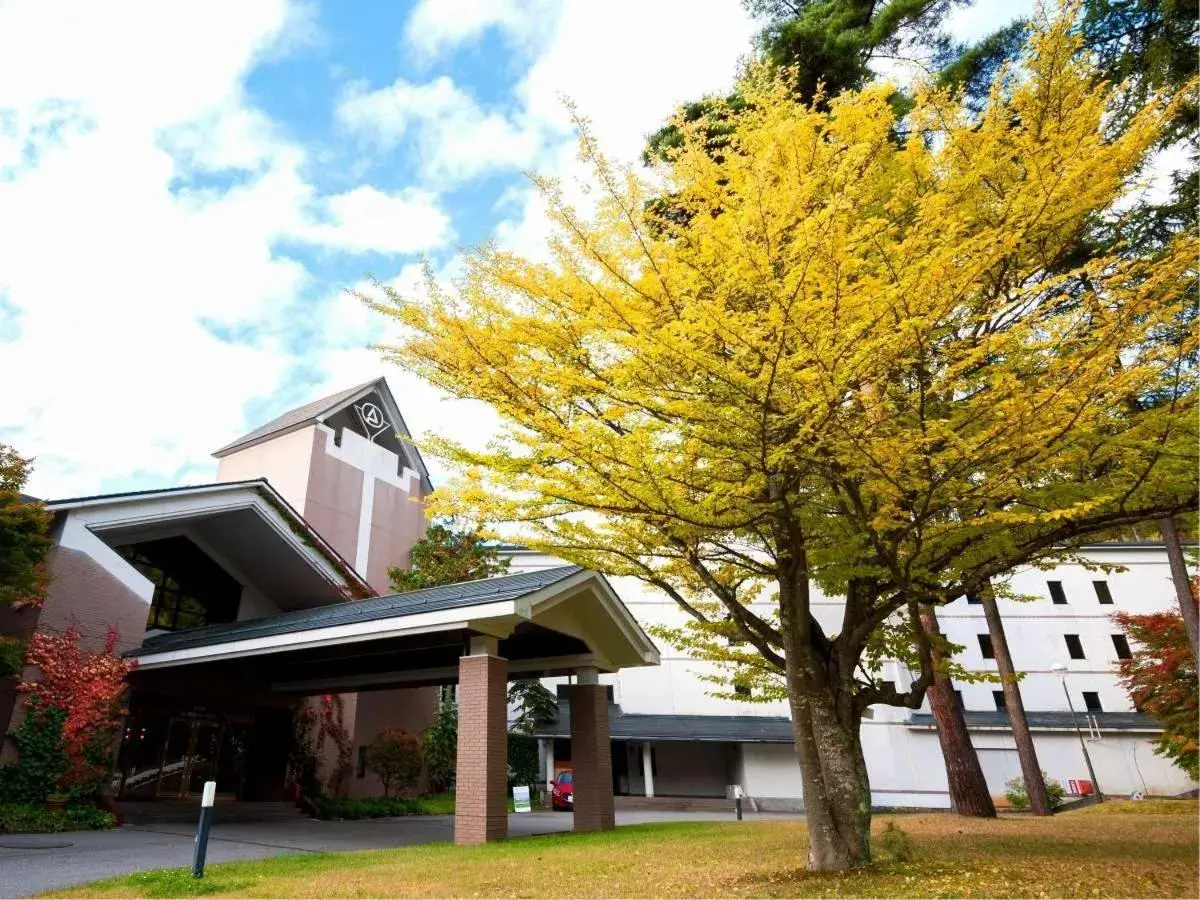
(254, 604)
(905, 763)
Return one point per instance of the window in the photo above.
(998, 699)
(985, 646)
(974, 599)
(958, 699)
(1121, 645)
(1091, 699)
(360, 769)
(190, 588)
(741, 690)
(1103, 594)
(1074, 647)
(1056, 591)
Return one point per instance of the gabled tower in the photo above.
(347, 465)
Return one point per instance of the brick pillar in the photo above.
(591, 758)
(481, 801)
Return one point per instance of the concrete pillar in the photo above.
(481, 802)
(648, 767)
(547, 745)
(591, 755)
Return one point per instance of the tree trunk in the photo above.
(1183, 585)
(1031, 771)
(969, 794)
(837, 793)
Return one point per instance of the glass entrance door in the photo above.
(172, 774)
(202, 762)
(189, 757)
(170, 756)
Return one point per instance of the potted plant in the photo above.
(57, 801)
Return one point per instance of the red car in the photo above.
(562, 797)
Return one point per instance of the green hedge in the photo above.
(34, 818)
(380, 807)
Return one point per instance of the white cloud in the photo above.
(142, 199)
(366, 219)
(456, 138)
(627, 80)
(439, 25)
(625, 95)
(144, 196)
(970, 23)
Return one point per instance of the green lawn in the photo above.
(1117, 850)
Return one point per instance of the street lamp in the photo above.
(1061, 671)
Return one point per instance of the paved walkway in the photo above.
(47, 862)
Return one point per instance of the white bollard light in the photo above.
(206, 813)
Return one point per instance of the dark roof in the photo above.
(25, 498)
(465, 593)
(1105, 721)
(778, 729)
(295, 418)
(638, 727)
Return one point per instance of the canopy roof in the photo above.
(547, 622)
(252, 532)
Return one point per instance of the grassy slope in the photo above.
(1139, 850)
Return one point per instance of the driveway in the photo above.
(31, 864)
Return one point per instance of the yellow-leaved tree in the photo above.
(823, 355)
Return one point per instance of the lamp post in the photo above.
(1061, 671)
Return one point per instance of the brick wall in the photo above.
(84, 595)
(481, 804)
(87, 596)
(591, 757)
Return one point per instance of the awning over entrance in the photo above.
(478, 635)
(549, 622)
(246, 527)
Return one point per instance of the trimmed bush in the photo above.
(1018, 797)
(395, 756)
(33, 818)
(382, 807)
(894, 844)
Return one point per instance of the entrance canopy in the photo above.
(245, 527)
(549, 622)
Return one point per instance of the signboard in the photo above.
(521, 798)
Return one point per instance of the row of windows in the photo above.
(1091, 701)
(1074, 646)
(1059, 596)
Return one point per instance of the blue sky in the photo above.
(187, 189)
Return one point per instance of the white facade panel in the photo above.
(905, 763)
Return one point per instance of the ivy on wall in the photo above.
(87, 686)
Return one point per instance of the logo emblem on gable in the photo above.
(374, 422)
